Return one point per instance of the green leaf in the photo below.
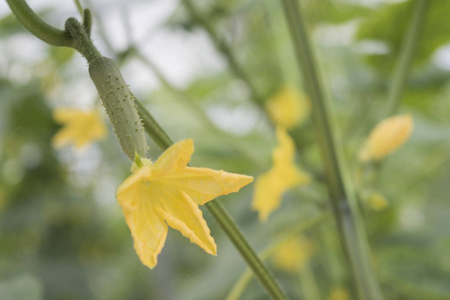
(334, 12)
(389, 24)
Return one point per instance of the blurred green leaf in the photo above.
(388, 25)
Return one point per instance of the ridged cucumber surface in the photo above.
(119, 104)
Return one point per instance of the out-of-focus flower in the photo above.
(79, 127)
(288, 108)
(339, 293)
(270, 186)
(387, 137)
(377, 201)
(293, 254)
(167, 193)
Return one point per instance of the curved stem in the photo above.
(350, 226)
(28, 18)
(407, 50)
(82, 40)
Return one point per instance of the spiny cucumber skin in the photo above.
(119, 104)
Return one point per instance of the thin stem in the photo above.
(350, 226)
(79, 6)
(309, 283)
(243, 281)
(152, 127)
(407, 50)
(34, 24)
(226, 51)
(247, 252)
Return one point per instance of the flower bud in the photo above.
(387, 137)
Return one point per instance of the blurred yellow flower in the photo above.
(293, 254)
(386, 137)
(79, 127)
(377, 201)
(339, 293)
(270, 186)
(168, 193)
(287, 108)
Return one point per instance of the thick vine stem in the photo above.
(34, 24)
(350, 226)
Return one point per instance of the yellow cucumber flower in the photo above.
(387, 137)
(167, 193)
(270, 186)
(292, 255)
(79, 127)
(339, 293)
(287, 108)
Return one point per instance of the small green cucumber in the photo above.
(119, 104)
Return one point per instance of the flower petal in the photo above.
(175, 157)
(386, 137)
(129, 190)
(284, 174)
(147, 227)
(267, 196)
(184, 215)
(203, 184)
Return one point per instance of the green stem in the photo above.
(79, 6)
(82, 40)
(226, 51)
(309, 283)
(34, 24)
(350, 227)
(241, 244)
(407, 50)
(152, 127)
(239, 288)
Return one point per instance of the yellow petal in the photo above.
(65, 115)
(267, 196)
(293, 254)
(129, 191)
(184, 215)
(147, 227)
(284, 174)
(387, 137)
(79, 127)
(175, 157)
(339, 293)
(287, 108)
(377, 201)
(203, 184)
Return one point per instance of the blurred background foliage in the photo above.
(62, 234)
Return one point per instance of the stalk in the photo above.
(350, 227)
(407, 50)
(226, 51)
